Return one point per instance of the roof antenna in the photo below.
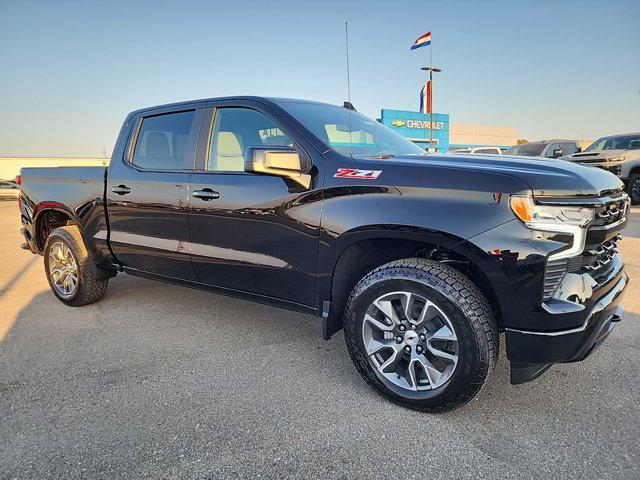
(348, 104)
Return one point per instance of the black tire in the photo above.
(468, 312)
(89, 289)
(633, 189)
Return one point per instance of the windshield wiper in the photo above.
(381, 157)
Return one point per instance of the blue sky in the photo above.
(71, 71)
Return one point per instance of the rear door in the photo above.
(249, 232)
(147, 194)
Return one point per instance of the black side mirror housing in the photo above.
(557, 153)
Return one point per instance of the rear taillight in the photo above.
(19, 183)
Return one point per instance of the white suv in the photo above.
(479, 150)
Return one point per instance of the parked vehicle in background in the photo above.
(618, 154)
(8, 190)
(545, 148)
(479, 150)
(422, 259)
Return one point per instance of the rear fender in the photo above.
(96, 253)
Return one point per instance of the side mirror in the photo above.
(557, 153)
(279, 161)
(578, 150)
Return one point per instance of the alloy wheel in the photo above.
(63, 269)
(410, 341)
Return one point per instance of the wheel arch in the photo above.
(54, 215)
(49, 216)
(635, 170)
(358, 252)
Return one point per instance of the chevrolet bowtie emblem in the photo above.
(398, 123)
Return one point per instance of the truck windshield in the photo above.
(359, 135)
(623, 142)
(527, 149)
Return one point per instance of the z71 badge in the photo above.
(357, 173)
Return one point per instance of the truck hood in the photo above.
(545, 177)
(589, 157)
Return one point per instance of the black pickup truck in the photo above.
(423, 260)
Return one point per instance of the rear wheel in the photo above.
(70, 269)
(634, 189)
(421, 334)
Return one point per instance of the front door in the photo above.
(249, 232)
(147, 195)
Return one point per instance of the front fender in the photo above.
(439, 216)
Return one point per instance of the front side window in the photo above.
(569, 148)
(235, 129)
(552, 149)
(162, 141)
(349, 132)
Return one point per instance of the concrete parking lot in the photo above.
(160, 381)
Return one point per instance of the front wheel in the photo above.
(422, 334)
(633, 189)
(70, 269)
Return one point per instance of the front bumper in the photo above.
(532, 352)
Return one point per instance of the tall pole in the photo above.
(346, 46)
(430, 94)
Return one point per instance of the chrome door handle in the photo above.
(121, 190)
(206, 194)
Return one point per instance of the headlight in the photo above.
(549, 217)
(567, 219)
(616, 159)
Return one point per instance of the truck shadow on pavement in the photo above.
(153, 366)
(7, 286)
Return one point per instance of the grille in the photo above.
(596, 260)
(616, 169)
(553, 275)
(591, 160)
(611, 212)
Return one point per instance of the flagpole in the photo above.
(429, 91)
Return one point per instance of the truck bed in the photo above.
(65, 183)
(76, 191)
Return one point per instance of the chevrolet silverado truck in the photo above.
(618, 154)
(423, 260)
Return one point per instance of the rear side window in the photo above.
(162, 141)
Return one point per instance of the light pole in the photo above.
(431, 70)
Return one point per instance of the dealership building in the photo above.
(446, 134)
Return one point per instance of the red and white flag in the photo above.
(422, 41)
(425, 98)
